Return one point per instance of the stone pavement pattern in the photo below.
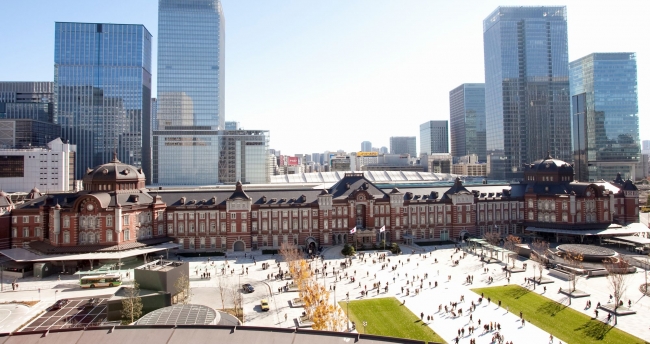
(205, 291)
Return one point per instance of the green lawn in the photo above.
(387, 317)
(564, 323)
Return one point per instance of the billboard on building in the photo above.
(367, 154)
(292, 161)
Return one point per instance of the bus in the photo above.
(110, 280)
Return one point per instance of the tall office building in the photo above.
(434, 137)
(605, 117)
(102, 85)
(527, 105)
(27, 114)
(244, 156)
(467, 116)
(191, 66)
(403, 145)
(366, 146)
(645, 146)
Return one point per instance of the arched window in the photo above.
(82, 237)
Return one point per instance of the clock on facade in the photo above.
(90, 207)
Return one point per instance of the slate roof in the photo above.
(353, 182)
(106, 199)
(455, 189)
(204, 198)
(239, 192)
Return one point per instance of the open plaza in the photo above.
(445, 277)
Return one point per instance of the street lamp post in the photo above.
(347, 301)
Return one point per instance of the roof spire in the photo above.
(115, 160)
(548, 155)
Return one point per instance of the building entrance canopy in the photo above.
(23, 255)
(612, 230)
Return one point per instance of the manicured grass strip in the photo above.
(566, 324)
(387, 317)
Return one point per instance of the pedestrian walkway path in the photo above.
(367, 272)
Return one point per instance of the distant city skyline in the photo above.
(284, 70)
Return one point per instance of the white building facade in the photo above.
(49, 169)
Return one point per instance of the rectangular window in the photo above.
(109, 235)
(109, 221)
(191, 227)
(213, 227)
(243, 215)
(202, 216)
(244, 226)
(170, 229)
(25, 219)
(222, 215)
(314, 224)
(170, 216)
(191, 216)
(254, 226)
(223, 227)
(233, 228)
(25, 232)
(202, 227)
(181, 228)
(126, 220)
(233, 216)
(66, 237)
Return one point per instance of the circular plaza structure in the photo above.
(590, 253)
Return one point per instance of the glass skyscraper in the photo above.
(527, 105)
(605, 116)
(27, 114)
(467, 116)
(102, 78)
(434, 137)
(403, 145)
(190, 106)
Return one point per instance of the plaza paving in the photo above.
(427, 301)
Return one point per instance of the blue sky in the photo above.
(327, 75)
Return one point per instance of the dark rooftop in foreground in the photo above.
(195, 334)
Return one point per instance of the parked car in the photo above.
(92, 302)
(248, 288)
(265, 304)
(60, 304)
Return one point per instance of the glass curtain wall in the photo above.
(605, 116)
(190, 99)
(102, 77)
(527, 103)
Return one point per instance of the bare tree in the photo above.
(183, 291)
(221, 287)
(493, 238)
(512, 244)
(618, 279)
(538, 255)
(236, 297)
(574, 260)
(131, 304)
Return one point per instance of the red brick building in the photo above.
(117, 212)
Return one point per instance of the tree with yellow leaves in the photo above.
(313, 295)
